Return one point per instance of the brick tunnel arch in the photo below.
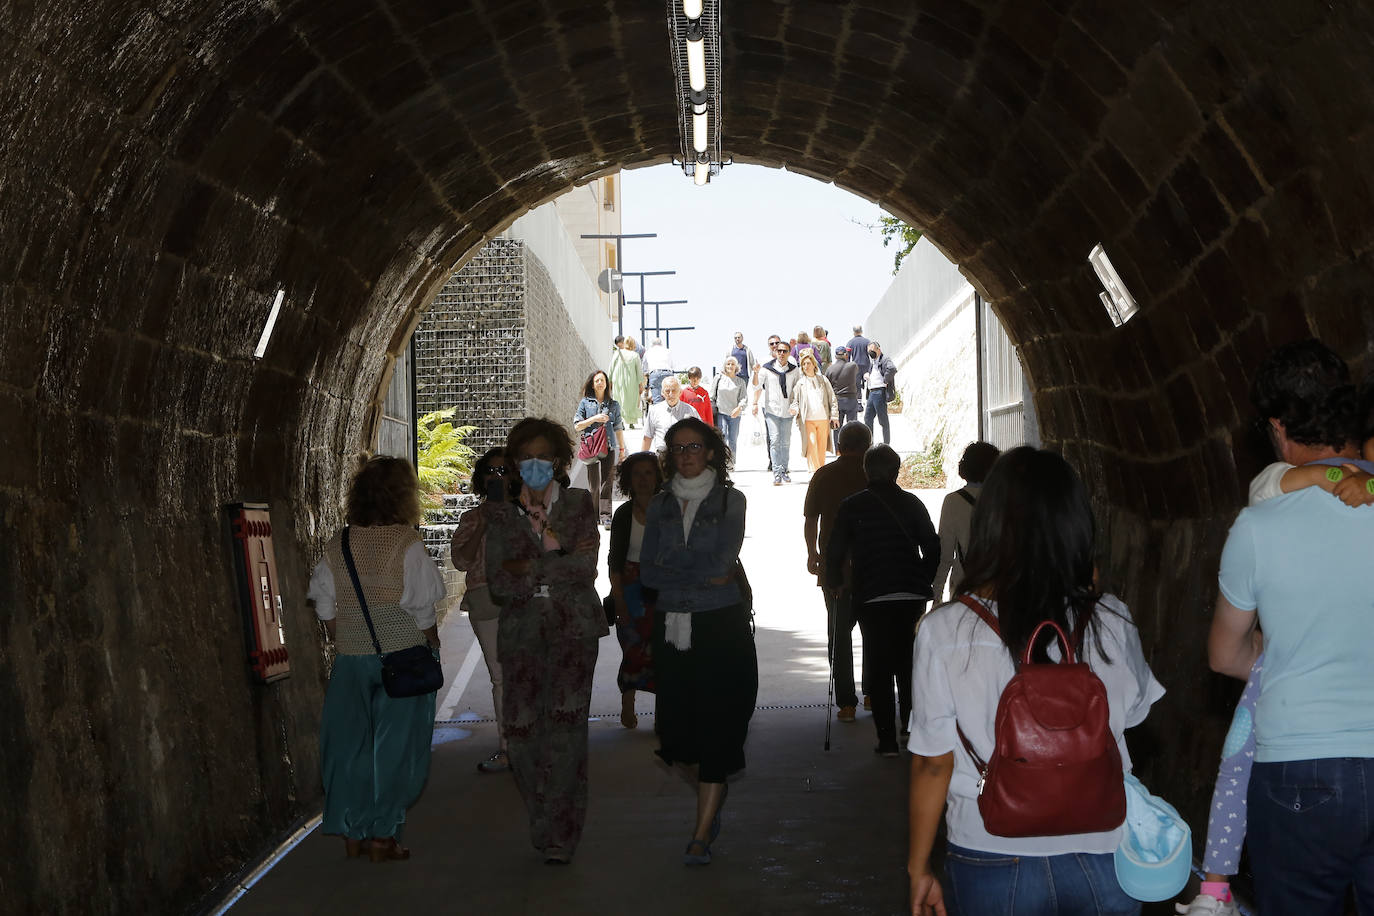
(166, 167)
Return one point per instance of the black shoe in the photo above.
(887, 750)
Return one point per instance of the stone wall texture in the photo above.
(166, 166)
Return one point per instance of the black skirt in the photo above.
(706, 695)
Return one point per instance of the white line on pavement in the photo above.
(460, 682)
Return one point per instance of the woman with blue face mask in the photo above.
(542, 542)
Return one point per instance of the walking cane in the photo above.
(830, 663)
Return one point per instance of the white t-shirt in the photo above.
(636, 539)
(959, 669)
(658, 359)
(875, 376)
(1268, 483)
(660, 417)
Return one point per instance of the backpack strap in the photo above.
(965, 495)
(986, 616)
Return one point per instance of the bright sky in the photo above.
(757, 250)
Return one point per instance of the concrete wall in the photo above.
(925, 322)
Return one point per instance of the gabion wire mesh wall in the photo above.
(470, 346)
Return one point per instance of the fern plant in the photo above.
(444, 458)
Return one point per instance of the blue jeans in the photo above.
(729, 428)
(995, 884)
(1311, 835)
(656, 384)
(779, 441)
(877, 406)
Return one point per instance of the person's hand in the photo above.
(792, 410)
(1353, 488)
(813, 563)
(602, 417)
(756, 410)
(834, 424)
(737, 411)
(927, 897)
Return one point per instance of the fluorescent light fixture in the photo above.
(702, 173)
(700, 131)
(271, 323)
(1117, 300)
(691, 9)
(696, 58)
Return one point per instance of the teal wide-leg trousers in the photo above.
(374, 750)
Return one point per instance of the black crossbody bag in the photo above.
(411, 672)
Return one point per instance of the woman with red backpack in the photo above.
(1026, 749)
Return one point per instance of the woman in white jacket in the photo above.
(813, 404)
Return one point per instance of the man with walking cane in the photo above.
(830, 485)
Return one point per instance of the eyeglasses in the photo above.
(498, 469)
(686, 447)
(782, 348)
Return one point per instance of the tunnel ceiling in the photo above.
(167, 165)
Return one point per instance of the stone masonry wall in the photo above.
(558, 360)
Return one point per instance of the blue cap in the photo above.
(1155, 856)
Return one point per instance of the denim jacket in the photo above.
(590, 407)
(680, 570)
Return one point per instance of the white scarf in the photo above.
(677, 626)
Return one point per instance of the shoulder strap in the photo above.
(987, 617)
(977, 607)
(966, 496)
(358, 587)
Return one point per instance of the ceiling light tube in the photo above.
(702, 174)
(696, 59)
(700, 131)
(691, 9)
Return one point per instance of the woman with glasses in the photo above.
(469, 554)
(541, 547)
(639, 478)
(705, 664)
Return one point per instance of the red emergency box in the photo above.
(259, 593)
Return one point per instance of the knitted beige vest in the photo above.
(379, 553)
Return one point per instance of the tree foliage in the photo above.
(906, 237)
(444, 458)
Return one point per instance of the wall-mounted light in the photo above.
(1117, 300)
(696, 58)
(261, 348)
(691, 9)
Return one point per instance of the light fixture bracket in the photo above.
(694, 103)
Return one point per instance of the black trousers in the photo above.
(889, 629)
(706, 694)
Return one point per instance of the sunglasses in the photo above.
(686, 447)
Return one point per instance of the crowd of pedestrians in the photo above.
(1013, 551)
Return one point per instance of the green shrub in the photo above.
(925, 470)
(444, 458)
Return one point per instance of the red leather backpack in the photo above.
(1055, 768)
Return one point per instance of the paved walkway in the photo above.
(807, 830)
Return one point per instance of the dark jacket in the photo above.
(886, 535)
(621, 521)
(889, 371)
(844, 378)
